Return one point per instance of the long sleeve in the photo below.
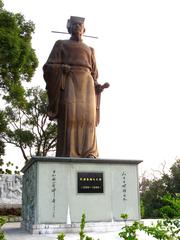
(94, 71)
(53, 78)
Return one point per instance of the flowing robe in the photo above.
(71, 74)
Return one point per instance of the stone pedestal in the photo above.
(57, 191)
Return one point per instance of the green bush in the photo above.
(167, 229)
(61, 236)
(172, 206)
(164, 230)
(10, 211)
(82, 234)
(154, 191)
(2, 222)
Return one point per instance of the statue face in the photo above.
(77, 28)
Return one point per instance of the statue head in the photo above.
(73, 22)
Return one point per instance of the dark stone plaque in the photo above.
(90, 182)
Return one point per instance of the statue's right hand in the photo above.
(98, 88)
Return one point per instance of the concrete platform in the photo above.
(14, 232)
(57, 191)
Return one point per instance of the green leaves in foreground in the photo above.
(167, 229)
(164, 230)
(2, 222)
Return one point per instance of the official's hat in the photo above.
(74, 19)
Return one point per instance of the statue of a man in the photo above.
(71, 81)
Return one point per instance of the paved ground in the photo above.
(14, 232)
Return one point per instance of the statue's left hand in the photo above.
(99, 88)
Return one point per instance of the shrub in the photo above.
(2, 222)
(10, 211)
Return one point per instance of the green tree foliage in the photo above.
(18, 60)
(61, 236)
(163, 230)
(152, 198)
(2, 145)
(172, 206)
(175, 175)
(153, 193)
(2, 222)
(28, 127)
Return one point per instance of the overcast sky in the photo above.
(138, 53)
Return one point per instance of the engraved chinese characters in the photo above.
(53, 190)
(90, 182)
(124, 185)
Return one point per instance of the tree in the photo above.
(175, 175)
(151, 198)
(2, 145)
(171, 209)
(28, 127)
(18, 60)
(7, 168)
(154, 193)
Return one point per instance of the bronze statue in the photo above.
(73, 92)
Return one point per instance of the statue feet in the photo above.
(91, 156)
